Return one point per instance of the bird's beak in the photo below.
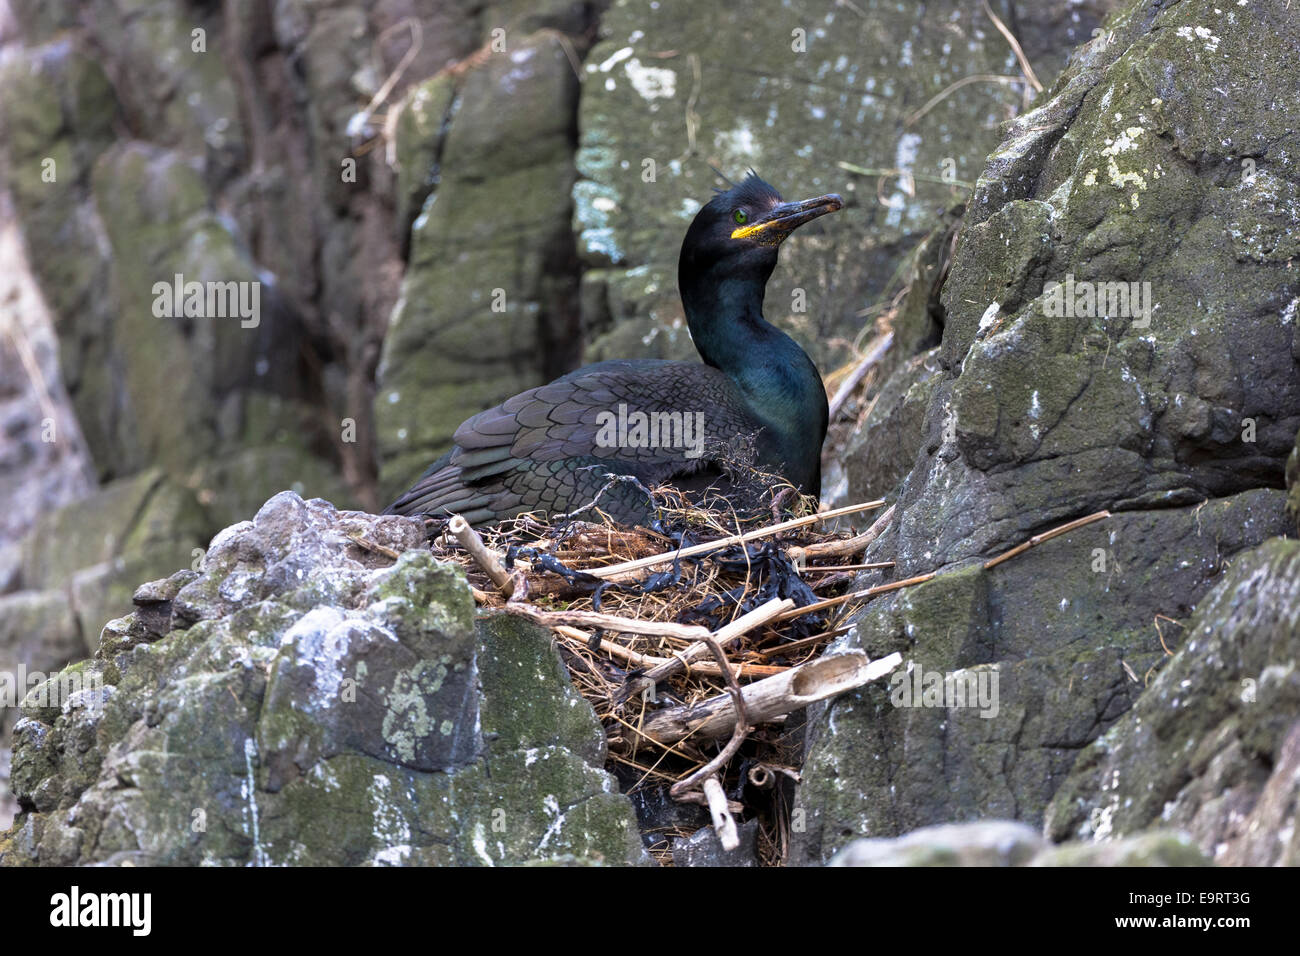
(784, 219)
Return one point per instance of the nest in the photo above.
(706, 566)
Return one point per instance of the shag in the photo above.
(554, 448)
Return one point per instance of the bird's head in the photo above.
(740, 229)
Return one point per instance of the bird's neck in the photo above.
(727, 325)
(778, 380)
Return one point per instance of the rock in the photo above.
(1293, 482)
(491, 250)
(44, 462)
(310, 701)
(202, 157)
(1213, 746)
(1157, 848)
(879, 454)
(1060, 639)
(986, 843)
(98, 548)
(1167, 418)
(39, 634)
(78, 567)
(702, 848)
(1115, 412)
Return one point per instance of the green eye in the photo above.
(739, 217)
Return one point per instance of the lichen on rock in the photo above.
(306, 699)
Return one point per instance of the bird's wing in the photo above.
(551, 448)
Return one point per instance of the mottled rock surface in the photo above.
(1179, 420)
(1213, 746)
(1007, 843)
(489, 305)
(303, 700)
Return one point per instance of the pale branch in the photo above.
(847, 546)
(614, 571)
(772, 697)
(724, 635)
(482, 555)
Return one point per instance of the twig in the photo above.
(952, 87)
(875, 352)
(362, 119)
(922, 578)
(638, 659)
(609, 622)
(869, 566)
(845, 598)
(614, 570)
(799, 556)
(791, 646)
(361, 542)
(742, 727)
(724, 824)
(1156, 621)
(1015, 46)
(1045, 536)
(723, 636)
(487, 560)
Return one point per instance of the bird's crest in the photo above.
(751, 190)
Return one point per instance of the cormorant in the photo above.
(553, 448)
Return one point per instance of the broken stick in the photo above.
(486, 559)
(769, 698)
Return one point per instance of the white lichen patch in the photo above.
(1123, 180)
(739, 145)
(479, 843)
(1288, 314)
(611, 61)
(651, 82)
(1201, 34)
(552, 808)
(1124, 142)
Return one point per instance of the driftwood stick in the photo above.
(638, 659)
(616, 570)
(486, 559)
(770, 698)
(724, 824)
(738, 735)
(609, 622)
(724, 635)
(848, 546)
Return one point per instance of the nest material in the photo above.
(561, 566)
(634, 608)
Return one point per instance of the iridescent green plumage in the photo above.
(548, 449)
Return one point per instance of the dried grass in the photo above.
(708, 590)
